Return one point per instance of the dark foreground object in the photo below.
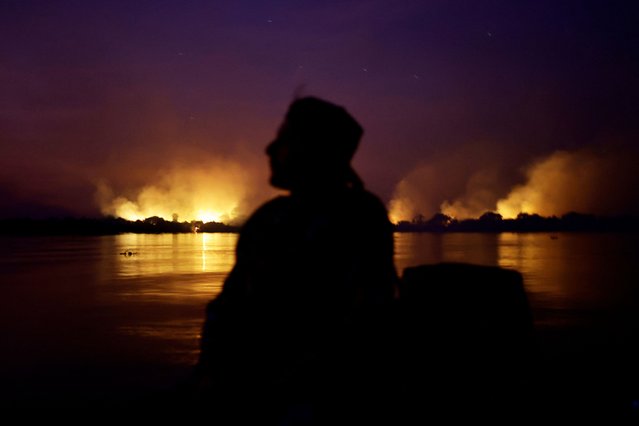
(467, 345)
(464, 349)
(468, 351)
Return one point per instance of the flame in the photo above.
(209, 216)
(480, 196)
(509, 212)
(220, 192)
(400, 209)
(589, 180)
(559, 183)
(409, 198)
(516, 203)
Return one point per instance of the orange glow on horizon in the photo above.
(554, 185)
(129, 211)
(399, 210)
(133, 214)
(209, 216)
(221, 192)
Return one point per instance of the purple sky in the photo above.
(118, 93)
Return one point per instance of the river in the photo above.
(84, 318)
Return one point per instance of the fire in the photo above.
(409, 198)
(147, 204)
(209, 216)
(400, 209)
(557, 184)
(510, 207)
(589, 180)
(508, 212)
(220, 192)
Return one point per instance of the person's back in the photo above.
(302, 318)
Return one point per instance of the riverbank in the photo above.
(439, 223)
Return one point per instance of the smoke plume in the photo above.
(590, 180)
(585, 181)
(220, 191)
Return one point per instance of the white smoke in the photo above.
(222, 191)
(586, 181)
(596, 181)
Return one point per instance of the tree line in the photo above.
(488, 222)
(524, 222)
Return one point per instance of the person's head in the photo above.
(314, 147)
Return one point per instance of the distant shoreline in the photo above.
(439, 223)
(494, 223)
(107, 226)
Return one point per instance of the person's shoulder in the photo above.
(369, 201)
(270, 211)
(274, 204)
(368, 208)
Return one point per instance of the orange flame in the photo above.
(222, 192)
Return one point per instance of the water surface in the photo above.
(85, 318)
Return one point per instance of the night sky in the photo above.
(140, 107)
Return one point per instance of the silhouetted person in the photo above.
(300, 330)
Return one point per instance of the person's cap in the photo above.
(323, 129)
